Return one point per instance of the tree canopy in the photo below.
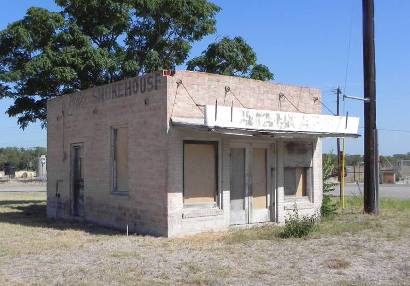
(230, 57)
(93, 42)
(22, 159)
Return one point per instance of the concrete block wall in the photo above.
(206, 89)
(88, 116)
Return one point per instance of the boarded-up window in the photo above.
(200, 173)
(259, 180)
(297, 181)
(120, 159)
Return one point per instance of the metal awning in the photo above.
(254, 122)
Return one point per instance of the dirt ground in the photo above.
(350, 249)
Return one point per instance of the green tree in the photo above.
(329, 166)
(93, 42)
(21, 158)
(232, 57)
(353, 160)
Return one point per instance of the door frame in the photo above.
(261, 215)
(72, 186)
(246, 215)
(251, 215)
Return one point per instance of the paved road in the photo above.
(391, 191)
(23, 187)
(386, 190)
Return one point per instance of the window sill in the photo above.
(193, 212)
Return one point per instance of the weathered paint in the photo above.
(253, 119)
(154, 202)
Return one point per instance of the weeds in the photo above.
(329, 207)
(299, 226)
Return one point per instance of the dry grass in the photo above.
(337, 263)
(351, 249)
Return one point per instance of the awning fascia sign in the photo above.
(254, 122)
(279, 121)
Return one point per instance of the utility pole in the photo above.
(371, 162)
(339, 178)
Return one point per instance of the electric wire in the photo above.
(233, 94)
(394, 130)
(294, 106)
(175, 98)
(389, 130)
(325, 106)
(348, 46)
(190, 96)
(348, 55)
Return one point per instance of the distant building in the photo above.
(42, 167)
(179, 153)
(387, 176)
(403, 170)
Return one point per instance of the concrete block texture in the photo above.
(87, 117)
(154, 202)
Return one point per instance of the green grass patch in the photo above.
(385, 203)
(393, 222)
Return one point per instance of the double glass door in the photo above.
(252, 171)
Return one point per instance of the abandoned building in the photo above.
(175, 153)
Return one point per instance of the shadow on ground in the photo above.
(32, 213)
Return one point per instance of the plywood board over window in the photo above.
(120, 159)
(297, 180)
(200, 173)
(259, 180)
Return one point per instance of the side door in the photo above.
(77, 179)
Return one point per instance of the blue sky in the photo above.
(304, 43)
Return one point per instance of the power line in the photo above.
(175, 96)
(190, 96)
(394, 130)
(389, 130)
(228, 89)
(348, 46)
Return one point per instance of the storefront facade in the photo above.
(194, 152)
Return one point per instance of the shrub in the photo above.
(299, 226)
(329, 207)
